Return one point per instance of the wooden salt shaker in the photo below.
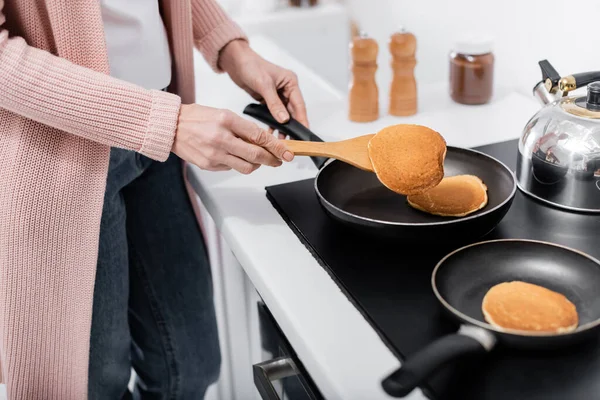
(403, 90)
(363, 99)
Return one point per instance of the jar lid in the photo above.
(474, 44)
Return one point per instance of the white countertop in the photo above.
(342, 353)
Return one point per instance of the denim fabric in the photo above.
(153, 300)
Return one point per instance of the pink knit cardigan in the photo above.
(59, 114)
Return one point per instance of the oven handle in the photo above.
(272, 370)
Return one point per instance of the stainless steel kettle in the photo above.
(559, 150)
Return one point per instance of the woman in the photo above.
(97, 236)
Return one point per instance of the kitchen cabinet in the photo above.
(252, 344)
(281, 376)
(237, 319)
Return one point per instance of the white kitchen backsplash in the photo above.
(317, 36)
(524, 32)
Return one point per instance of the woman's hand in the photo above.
(220, 140)
(275, 86)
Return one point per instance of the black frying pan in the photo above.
(357, 198)
(461, 280)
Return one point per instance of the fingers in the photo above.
(221, 167)
(222, 140)
(279, 134)
(252, 153)
(241, 166)
(274, 103)
(297, 106)
(252, 133)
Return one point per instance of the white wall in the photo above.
(526, 31)
(317, 36)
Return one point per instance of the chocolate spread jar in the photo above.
(472, 71)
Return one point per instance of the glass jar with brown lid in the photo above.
(301, 3)
(472, 71)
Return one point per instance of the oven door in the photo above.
(281, 376)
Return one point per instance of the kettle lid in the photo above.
(592, 100)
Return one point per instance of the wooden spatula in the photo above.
(353, 151)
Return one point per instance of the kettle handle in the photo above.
(566, 84)
(575, 81)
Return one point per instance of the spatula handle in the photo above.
(313, 149)
(292, 128)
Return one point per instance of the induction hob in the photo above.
(390, 285)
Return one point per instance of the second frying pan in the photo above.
(461, 280)
(357, 198)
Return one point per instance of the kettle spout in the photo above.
(541, 92)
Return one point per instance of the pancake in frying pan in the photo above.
(527, 307)
(455, 196)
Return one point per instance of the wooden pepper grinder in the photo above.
(363, 98)
(403, 90)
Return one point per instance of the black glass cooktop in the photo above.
(390, 284)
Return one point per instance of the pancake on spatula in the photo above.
(408, 159)
(455, 196)
(527, 307)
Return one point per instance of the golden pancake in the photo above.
(527, 307)
(455, 196)
(408, 159)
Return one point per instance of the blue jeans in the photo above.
(153, 300)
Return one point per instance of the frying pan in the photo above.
(357, 198)
(461, 280)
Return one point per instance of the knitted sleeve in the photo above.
(58, 93)
(213, 29)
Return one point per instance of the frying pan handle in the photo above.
(292, 128)
(422, 365)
